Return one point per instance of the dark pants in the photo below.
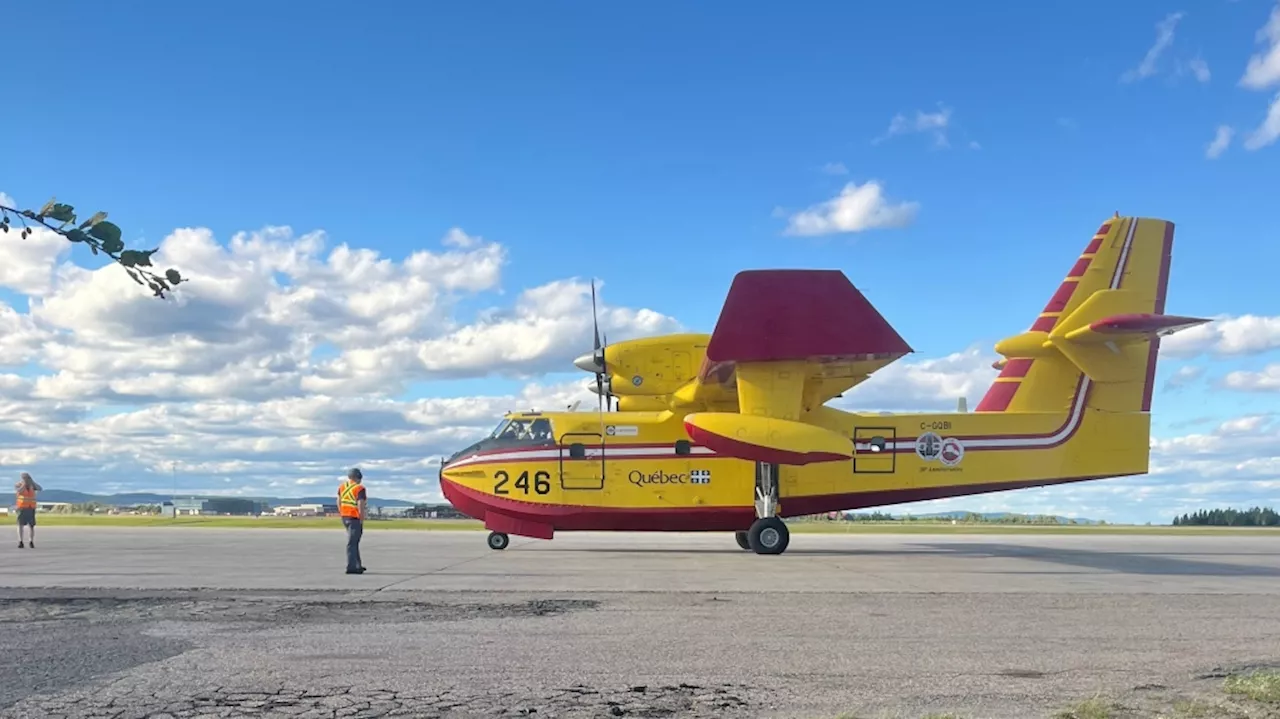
(26, 517)
(355, 528)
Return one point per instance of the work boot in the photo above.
(20, 544)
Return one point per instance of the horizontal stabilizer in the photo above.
(775, 315)
(766, 439)
(1133, 326)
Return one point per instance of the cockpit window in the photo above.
(512, 432)
(524, 430)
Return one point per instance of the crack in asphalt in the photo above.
(132, 700)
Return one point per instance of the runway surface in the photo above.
(185, 621)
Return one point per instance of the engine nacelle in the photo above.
(651, 366)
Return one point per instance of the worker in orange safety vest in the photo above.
(25, 490)
(352, 506)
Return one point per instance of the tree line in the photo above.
(1254, 517)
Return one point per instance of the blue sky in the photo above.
(663, 151)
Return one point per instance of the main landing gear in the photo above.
(768, 534)
(498, 540)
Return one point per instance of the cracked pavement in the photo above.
(106, 624)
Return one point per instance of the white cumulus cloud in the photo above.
(1225, 337)
(1267, 380)
(857, 208)
(933, 123)
(1164, 38)
(1266, 133)
(1221, 140)
(1263, 68)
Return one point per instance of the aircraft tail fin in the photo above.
(1100, 332)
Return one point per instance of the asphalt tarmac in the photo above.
(191, 622)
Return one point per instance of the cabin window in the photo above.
(877, 444)
(577, 451)
(683, 447)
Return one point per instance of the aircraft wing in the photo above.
(809, 323)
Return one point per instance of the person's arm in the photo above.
(362, 498)
(36, 486)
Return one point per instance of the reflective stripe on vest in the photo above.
(26, 498)
(348, 506)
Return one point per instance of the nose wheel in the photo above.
(498, 540)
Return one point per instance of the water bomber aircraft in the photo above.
(731, 432)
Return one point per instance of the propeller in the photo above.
(595, 362)
(597, 350)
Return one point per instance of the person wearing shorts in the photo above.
(25, 491)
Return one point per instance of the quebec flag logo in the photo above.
(700, 476)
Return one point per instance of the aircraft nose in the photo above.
(587, 363)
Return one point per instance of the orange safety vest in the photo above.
(26, 498)
(348, 505)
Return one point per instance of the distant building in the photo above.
(215, 505)
(434, 511)
(306, 510)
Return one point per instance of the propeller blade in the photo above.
(595, 323)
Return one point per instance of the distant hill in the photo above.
(997, 517)
(129, 499)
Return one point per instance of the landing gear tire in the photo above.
(498, 540)
(742, 540)
(768, 536)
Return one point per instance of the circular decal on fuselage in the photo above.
(952, 452)
(928, 446)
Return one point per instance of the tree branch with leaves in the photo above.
(101, 236)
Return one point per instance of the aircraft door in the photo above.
(873, 450)
(582, 461)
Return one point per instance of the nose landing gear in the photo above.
(498, 540)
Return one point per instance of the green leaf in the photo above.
(132, 258)
(61, 213)
(112, 246)
(77, 235)
(97, 217)
(106, 232)
(173, 276)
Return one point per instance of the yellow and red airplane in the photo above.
(730, 431)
